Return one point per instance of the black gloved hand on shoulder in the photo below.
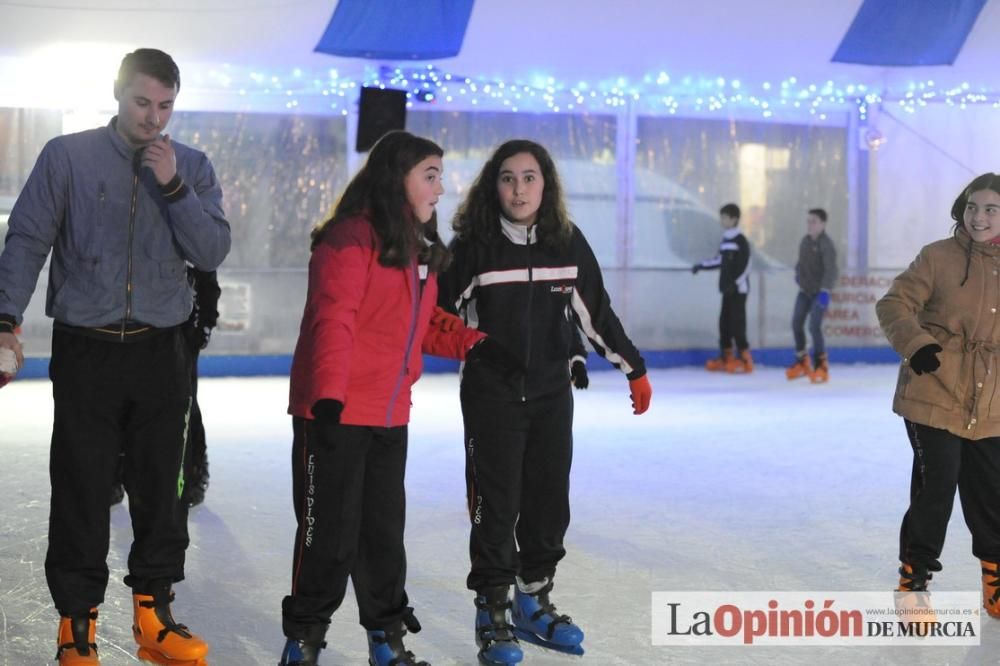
(925, 359)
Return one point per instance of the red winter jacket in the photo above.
(364, 328)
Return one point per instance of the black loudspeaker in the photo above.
(379, 111)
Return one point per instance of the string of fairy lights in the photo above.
(657, 94)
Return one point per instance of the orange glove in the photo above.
(445, 321)
(641, 394)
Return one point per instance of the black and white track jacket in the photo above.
(528, 299)
(733, 262)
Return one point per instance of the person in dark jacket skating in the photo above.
(733, 264)
(816, 274)
(524, 275)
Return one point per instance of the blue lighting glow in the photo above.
(657, 93)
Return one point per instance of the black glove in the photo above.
(925, 359)
(493, 353)
(201, 336)
(578, 373)
(327, 411)
(196, 336)
(696, 268)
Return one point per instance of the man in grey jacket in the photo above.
(123, 209)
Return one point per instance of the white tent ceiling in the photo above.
(513, 40)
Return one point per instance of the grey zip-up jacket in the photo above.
(119, 246)
(816, 269)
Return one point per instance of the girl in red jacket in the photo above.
(371, 298)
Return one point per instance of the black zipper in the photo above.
(531, 294)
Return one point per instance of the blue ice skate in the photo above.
(385, 648)
(494, 633)
(537, 621)
(301, 652)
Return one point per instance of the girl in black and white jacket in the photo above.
(524, 275)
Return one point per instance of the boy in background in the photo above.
(733, 263)
(815, 273)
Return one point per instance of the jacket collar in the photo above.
(518, 233)
(988, 248)
(730, 234)
(117, 141)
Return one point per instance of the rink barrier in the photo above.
(276, 365)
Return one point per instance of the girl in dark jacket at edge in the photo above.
(368, 315)
(524, 275)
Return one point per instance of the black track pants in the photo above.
(733, 322)
(943, 462)
(113, 398)
(350, 504)
(518, 458)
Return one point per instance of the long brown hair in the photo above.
(378, 191)
(479, 215)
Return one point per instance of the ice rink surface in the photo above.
(727, 483)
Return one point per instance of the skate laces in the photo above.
(916, 578)
(301, 651)
(498, 629)
(166, 618)
(995, 582)
(394, 640)
(546, 607)
(79, 642)
(302, 643)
